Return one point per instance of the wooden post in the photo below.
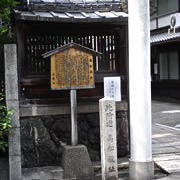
(74, 128)
(12, 102)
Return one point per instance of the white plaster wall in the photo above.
(153, 24)
(165, 21)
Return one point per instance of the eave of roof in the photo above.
(71, 17)
(164, 38)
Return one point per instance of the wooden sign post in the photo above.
(72, 68)
(74, 127)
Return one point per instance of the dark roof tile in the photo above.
(73, 17)
(164, 38)
(75, 5)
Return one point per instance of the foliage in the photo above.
(5, 123)
(5, 37)
(5, 6)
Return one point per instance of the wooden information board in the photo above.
(72, 69)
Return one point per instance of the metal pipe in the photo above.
(74, 129)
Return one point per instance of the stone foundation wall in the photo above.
(42, 137)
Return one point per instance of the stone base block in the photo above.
(15, 168)
(42, 173)
(76, 162)
(112, 178)
(141, 170)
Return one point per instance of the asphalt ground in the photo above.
(166, 136)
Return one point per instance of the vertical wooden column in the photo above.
(141, 164)
(12, 102)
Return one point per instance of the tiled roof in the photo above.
(73, 1)
(72, 11)
(164, 38)
(75, 5)
(85, 17)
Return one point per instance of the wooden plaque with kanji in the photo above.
(72, 69)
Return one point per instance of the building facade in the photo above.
(165, 41)
(42, 26)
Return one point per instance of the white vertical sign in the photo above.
(112, 88)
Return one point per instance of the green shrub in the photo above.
(5, 123)
(5, 8)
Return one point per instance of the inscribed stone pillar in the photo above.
(107, 111)
(12, 102)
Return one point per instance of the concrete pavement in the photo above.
(166, 137)
(175, 176)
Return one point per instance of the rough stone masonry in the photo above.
(41, 137)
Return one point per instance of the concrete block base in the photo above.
(15, 167)
(141, 170)
(76, 162)
(42, 173)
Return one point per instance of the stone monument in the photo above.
(107, 110)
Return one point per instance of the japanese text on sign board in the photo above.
(72, 69)
(112, 88)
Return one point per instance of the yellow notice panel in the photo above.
(72, 69)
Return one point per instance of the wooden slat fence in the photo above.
(37, 44)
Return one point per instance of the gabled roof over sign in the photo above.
(71, 45)
(72, 11)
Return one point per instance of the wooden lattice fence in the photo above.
(36, 45)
